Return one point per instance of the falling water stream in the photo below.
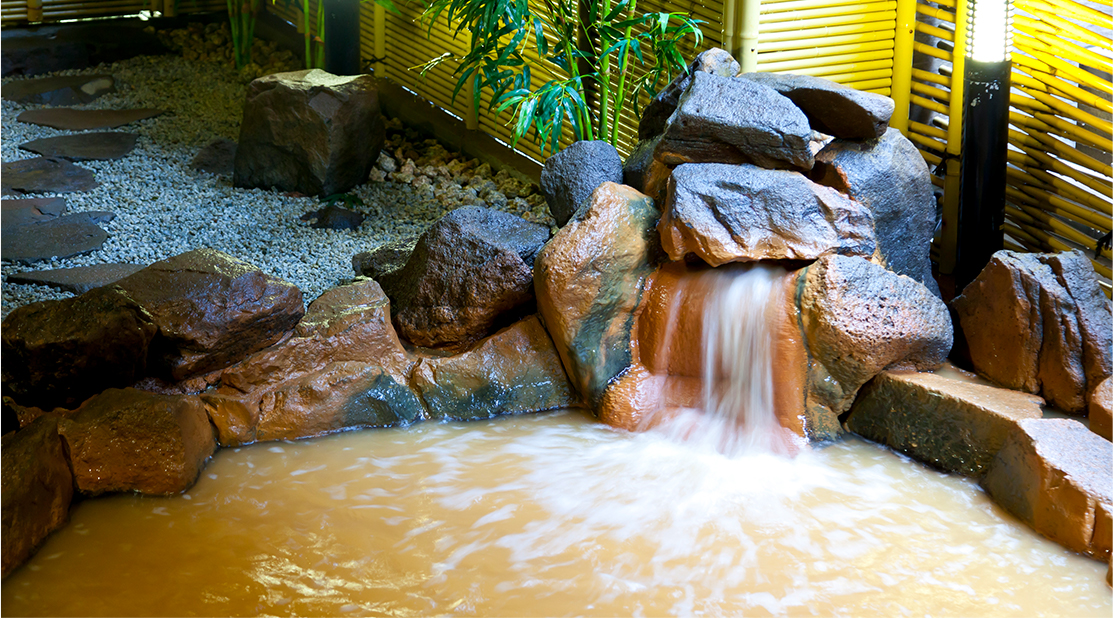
(554, 514)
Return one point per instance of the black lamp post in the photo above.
(985, 137)
(342, 37)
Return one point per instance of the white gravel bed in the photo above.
(164, 208)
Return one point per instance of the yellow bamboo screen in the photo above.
(20, 11)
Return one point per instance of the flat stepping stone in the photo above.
(104, 146)
(77, 280)
(30, 210)
(218, 157)
(333, 217)
(70, 119)
(64, 90)
(45, 175)
(63, 237)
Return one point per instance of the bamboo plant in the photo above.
(241, 15)
(593, 48)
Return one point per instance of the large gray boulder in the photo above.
(470, 271)
(310, 132)
(832, 108)
(656, 113)
(890, 178)
(741, 213)
(570, 176)
(734, 120)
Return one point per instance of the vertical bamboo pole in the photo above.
(34, 10)
(730, 9)
(903, 38)
(471, 117)
(380, 41)
(948, 239)
(748, 29)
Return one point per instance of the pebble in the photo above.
(165, 208)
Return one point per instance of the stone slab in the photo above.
(77, 280)
(30, 210)
(62, 237)
(101, 146)
(60, 90)
(70, 119)
(217, 157)
(45, 175)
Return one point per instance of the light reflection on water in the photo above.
(553, 515)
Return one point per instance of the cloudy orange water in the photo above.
(553, 515)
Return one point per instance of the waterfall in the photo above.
(737, 406)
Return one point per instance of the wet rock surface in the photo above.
(37, 489)
(45, 175)
(590, 278)
(656, 114)
(84, 146)
(130, 440)
(384, 260)
(832, 108)
(570, 175)
(889, 177)
(733, 120)
(63, 90)
(77, 280)
(1023, 319)
(733, 213)
(310, 132)
(1057, 476)
(1101, 409)
(211, 310)
(60, 352)
(470, 270)
(85, 119)
(950, 424)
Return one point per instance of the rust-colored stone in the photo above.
(37, 489)
(212, 310)
(1101, 409)
(1055, 475)
(130, 440)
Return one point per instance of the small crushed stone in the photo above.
(165, 208)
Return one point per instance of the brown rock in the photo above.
(514, 371)
(17, 212)
(212, 309)
(37, 488)
(734, 120)
(740, 213)
(77, 280)
(309, 131)
(60, 90)
(60, 237)
(1039, 323)
(345, 342)
(130, 440)
(45, 175)
(69, 119)
(1053, 474)
(590, 279)
(61, 351)
(656, 114)
(953, 425)
(217, 157)
(471, 272)
(858, 319)
(104, 146)
(1101, 409)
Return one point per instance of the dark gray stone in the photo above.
(45, 175)
(470, 272)
(832, 108)
(30, 210)
(218, 157)
(891, 179)
(62, 237)
(570, 175)
(47, 49)
(385, 259)
(310, 132)
(62, 90)
(77, 280)
(333, 217)
(104, 146)
(740, 213)
(656, 113)
(70, 119)
(735, 120)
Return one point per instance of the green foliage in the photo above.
(241, 16)
(506, 33)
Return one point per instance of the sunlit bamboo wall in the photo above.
(23, 11)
